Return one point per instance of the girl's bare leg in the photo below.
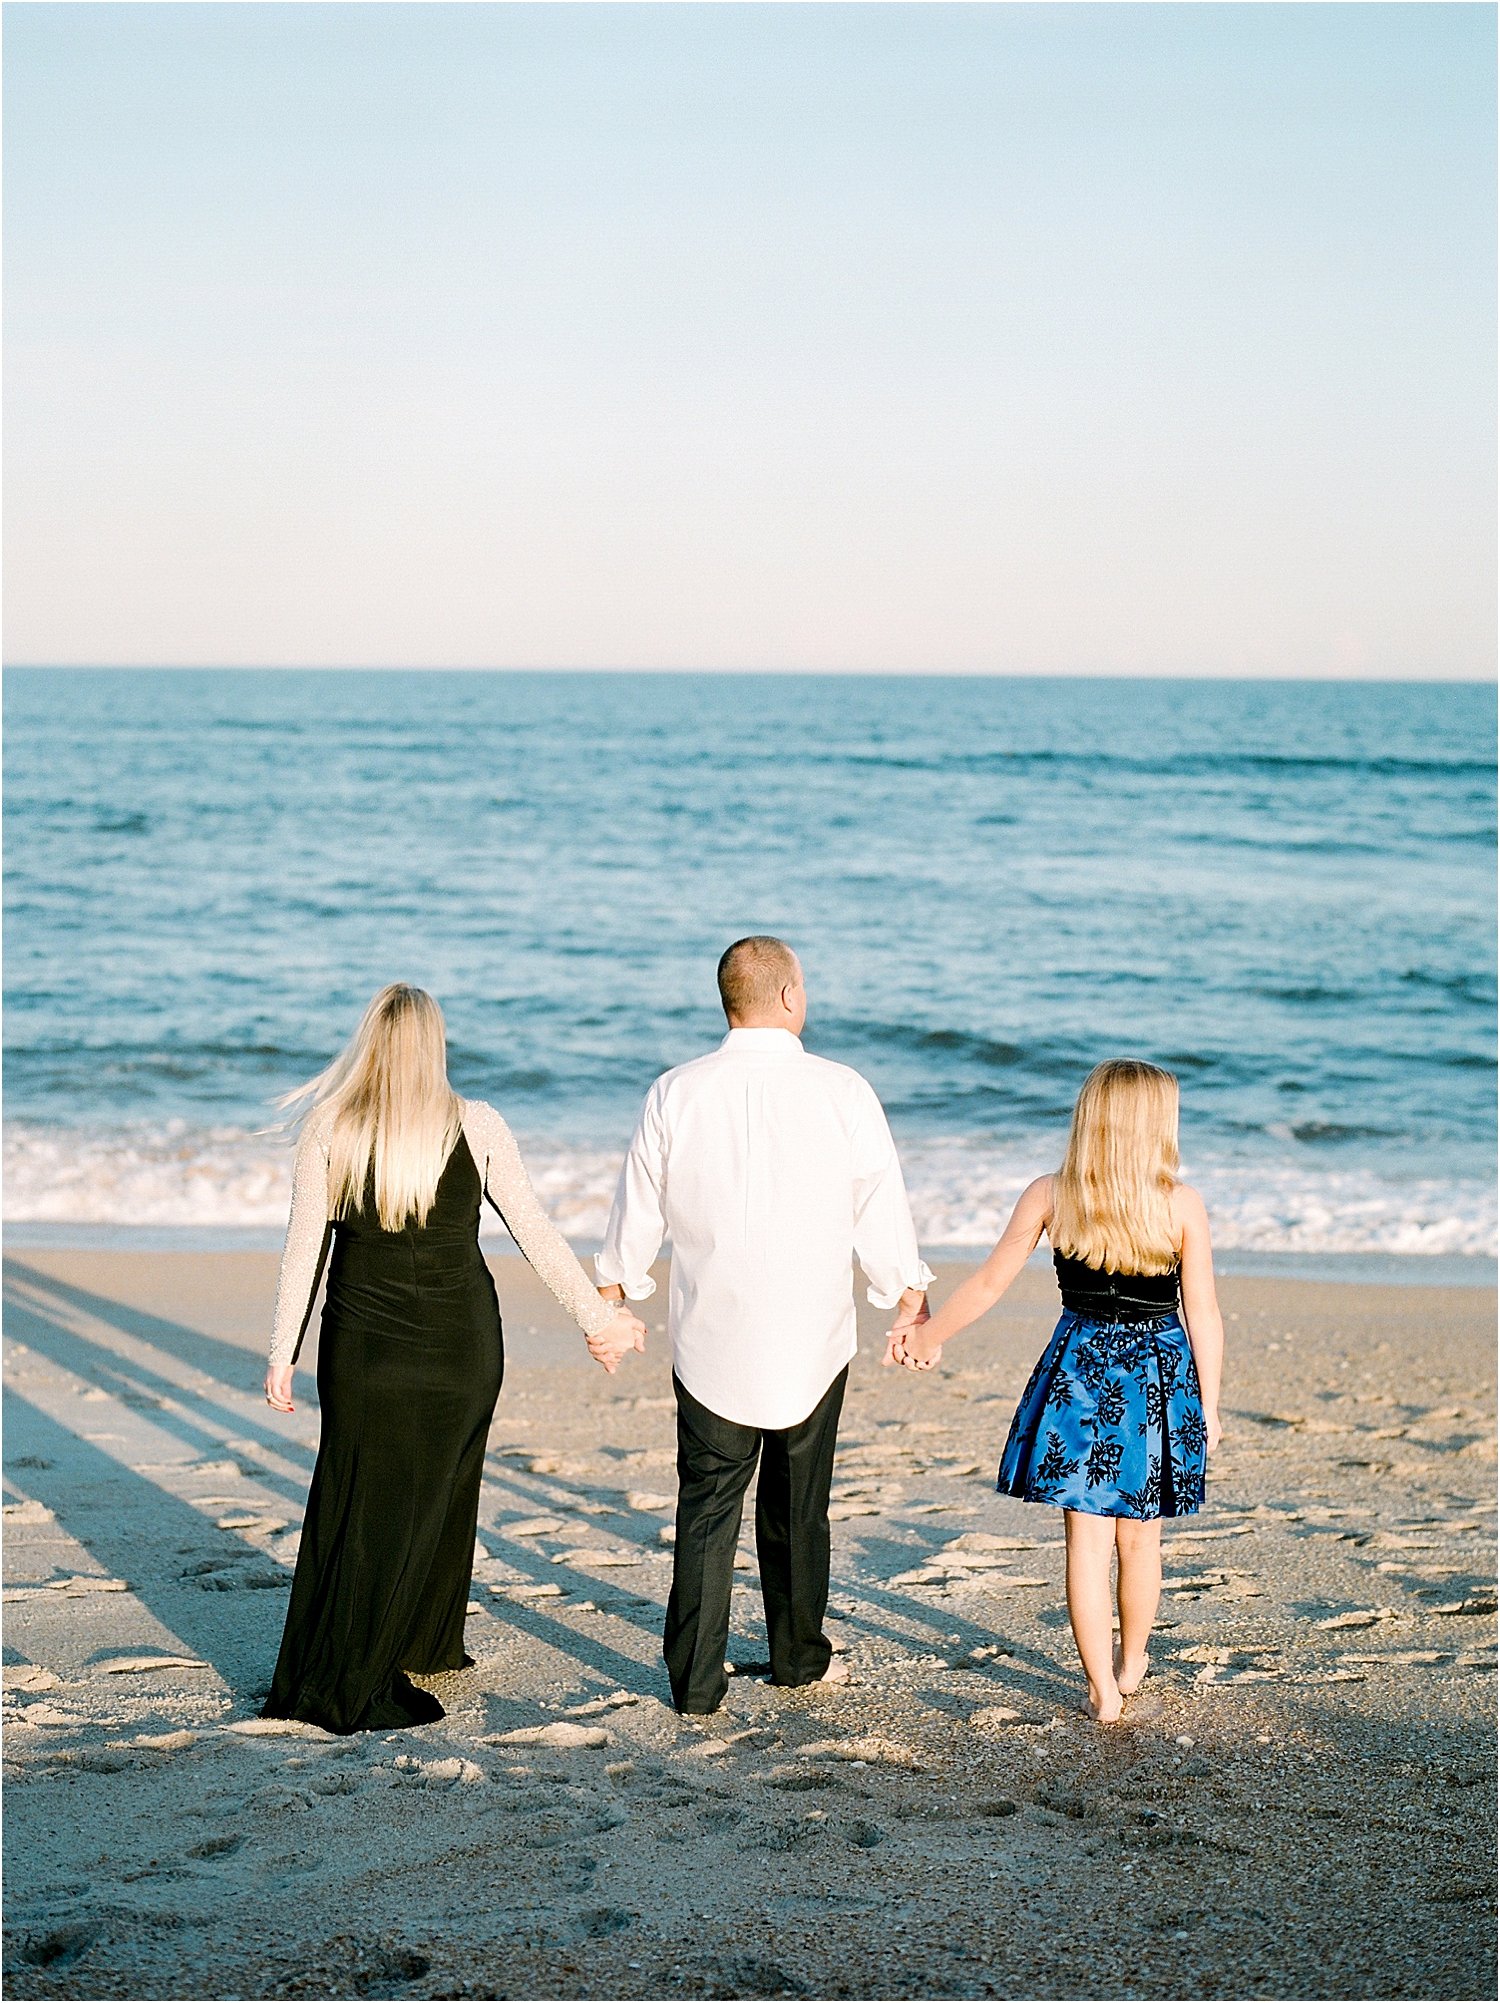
(1139, 1588)
(1091, 1543)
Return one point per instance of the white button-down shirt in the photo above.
(770, 1170)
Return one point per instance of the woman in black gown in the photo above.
(410, 1360)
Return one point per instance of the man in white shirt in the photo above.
(770, 1170)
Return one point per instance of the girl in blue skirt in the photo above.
(1123, 1406)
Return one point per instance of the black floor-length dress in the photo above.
(410, 1361)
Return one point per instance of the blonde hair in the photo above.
(391, 1108)
(1112, 1197)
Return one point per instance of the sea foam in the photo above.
(962, 1190)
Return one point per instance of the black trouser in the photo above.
(715, 1460)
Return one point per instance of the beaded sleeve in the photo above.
(307, 1235)
(508, 1187)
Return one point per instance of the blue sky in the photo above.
(970, 338)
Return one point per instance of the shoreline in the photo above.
(1396, 1269)
(168, 1183)
(1315, 1741)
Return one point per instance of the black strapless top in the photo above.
(1089, 1290)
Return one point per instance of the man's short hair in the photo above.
(752, 974)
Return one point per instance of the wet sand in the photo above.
(1300, 1803)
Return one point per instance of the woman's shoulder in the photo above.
(480, 1117)
(317, 1127)
(1035, 1199)
(1188, 1206)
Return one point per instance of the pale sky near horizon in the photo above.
(1023, 338)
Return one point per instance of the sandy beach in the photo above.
(1300, 1802)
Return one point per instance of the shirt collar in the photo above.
(773, 1041)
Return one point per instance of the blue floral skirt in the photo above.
(1111, 1422)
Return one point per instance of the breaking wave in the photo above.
(227, 1178)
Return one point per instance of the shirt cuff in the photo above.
(635, 1290)
(881, 1297)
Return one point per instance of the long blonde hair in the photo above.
(1112, 1197)
(390, 1104)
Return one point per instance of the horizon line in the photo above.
(1445, 679)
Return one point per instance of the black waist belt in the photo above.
(1101, 1307)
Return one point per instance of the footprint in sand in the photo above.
(986, 1656)
(1207, 1536)
(784, 1836)
(29, 1676)
(275, 1728)
(616, 1701)
(281, 1800)
(1411, 1658)
(141, 1665)
(60, 1947)
(600, 1559)
(74, 1586)
(435, 1774)
(560, 1733)
(869, 1751)
(105, 1759)
(51, 1715)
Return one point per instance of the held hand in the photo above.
(919, 1352)
(906, 1345)
(911, 1312)
(279, 1388)
(617, 1339)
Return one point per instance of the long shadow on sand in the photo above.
(39, 1311)
(144, 1535)
(32, 1300)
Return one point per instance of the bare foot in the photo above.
(1105, 1706)
(1129, 1676)
(836, 1672)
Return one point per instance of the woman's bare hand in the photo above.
(919, 1351)
(906, 1345)
(279, 1388)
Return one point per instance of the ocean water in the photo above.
(1284, 891)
